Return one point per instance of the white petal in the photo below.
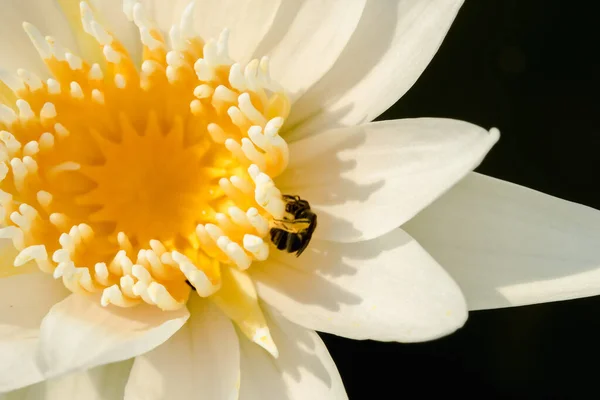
(304, 369)
(165, 13)
(110, 14)
(7, 259)
(507, 245)
(365, 181)
(307, 38)
(384, 289)
(16, 50)
(202, 360)
(248, 21)
(394, 42)
(24, 301)
(78, 333)
(106, 382)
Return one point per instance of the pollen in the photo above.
(140, 181)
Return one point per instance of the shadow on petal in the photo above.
(303, 370)
(346, 71)
(387, 289)
(313, 180)
(313, 271)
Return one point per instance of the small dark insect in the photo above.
(293, 233)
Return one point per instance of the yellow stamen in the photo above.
(142, 180)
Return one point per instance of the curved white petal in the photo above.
(106, 382)
(306, 39)
(24, 301)
(303, 370)
(384, 289)
(16, 50)
(507, 245)
(367, 180)
(393, 43)
(78, 333)
(202, 360)
(248, 21)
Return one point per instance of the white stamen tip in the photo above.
(111, 55)
(238, 256)
(163, 299)
(203, 70)
(101, 272)
(25, 111)
(113, 295)
(53, 86)
(97, 96)
(37, 252)
(12, 144)
(7, 115)
(96, 73)
(48, 111)
(248, 109)
(44, 198)
(76, 91)
(46, 141)
(61, 255)
(120, 81)
(256, 246)
(224, 94)
(128, 8)
(60, 130)
(74, 62)
(141, 273)
(148, 40)
(213, 231)
(203, 91)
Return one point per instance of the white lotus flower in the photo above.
(140, 167)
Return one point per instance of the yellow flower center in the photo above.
(140, 182)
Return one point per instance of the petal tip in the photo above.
(495, 134)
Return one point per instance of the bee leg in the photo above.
(294, 226)
(302, 247)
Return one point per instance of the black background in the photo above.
(530, 68)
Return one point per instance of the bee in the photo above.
(294, 231)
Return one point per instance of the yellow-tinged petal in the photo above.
(7, 96)
(201, 361)
(238, 300)
(8, 253)
(88, 47)
(24, 301)
(103, 382)
(78, 333)
(305, 369)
